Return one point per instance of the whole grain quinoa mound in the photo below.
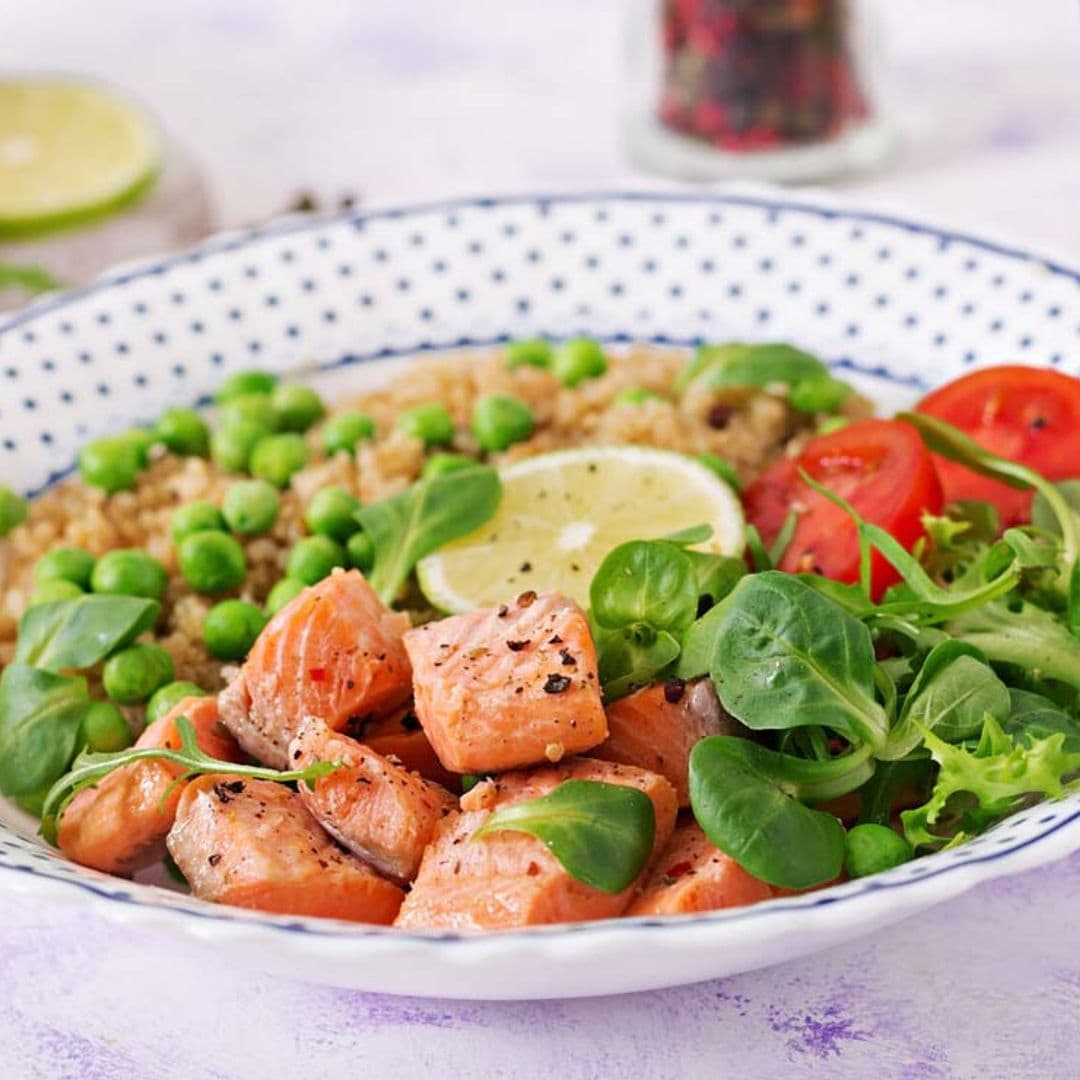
(749, 428)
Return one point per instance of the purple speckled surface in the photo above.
(427, 99)
(984, 986)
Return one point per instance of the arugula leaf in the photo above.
(952, 693)
(76, 634)
(601, 833)
(951, 443)
(645, 581)
(786, 656)
(996, 778)
(742, 799)
(1028, 638)
(632, 657)
(414, 523)
(40, 714)
(90, 767)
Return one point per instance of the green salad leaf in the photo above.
(743, 797)
(40, 714)
(414, 523)
(632, 657)
(601, 833)
(645, 581)
(1034, 716)
(78, 633)
(786, 656)
(977, 787)
(27, 278)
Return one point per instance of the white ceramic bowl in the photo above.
(897, 306)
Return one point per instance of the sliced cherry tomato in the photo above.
(1030, 415)
(880, 466)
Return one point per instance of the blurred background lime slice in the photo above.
(70, 152)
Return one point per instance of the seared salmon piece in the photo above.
(253, 844)
(692, 875)
(119, 825)
(656, 728)
(334, 652)
(378, 810)
(401, 738)
(508, 879)
(506, 687)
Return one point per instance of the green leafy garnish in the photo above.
(90, 767)
(414, 523)
(602, 834)
(40, 714)
(645, 581)
(976, 788)
(745, 798)
(786, 656)
(76, 634)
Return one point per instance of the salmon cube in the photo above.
(692, 875)
(401, 738)
(508, 879)
(253, 844)
(334, 652)
(507, 687)
(378, 810)
(656, 728)
(119, 825)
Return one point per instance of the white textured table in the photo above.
(424, 99)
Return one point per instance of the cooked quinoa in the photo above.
(748, 428)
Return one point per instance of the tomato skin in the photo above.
(1030, 415)
(880, 466)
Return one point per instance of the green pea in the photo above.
(14, 510)
(73, 564)
(50, 591)
(873, 848)
(257, 408)
(277, 457)
(134, 673)
(332, 512)
(500, 420)
(112, 464)
(284, 592)
(312, 559)
(245, 382)
(231, 628)
(104, 729)
(441, 464)
(167, 697)
(231, 446)
(143, 440)
(250, 507)
(212, 562)
(297, 407)
(183, 431)
(577, 360)
(529, 352)
(722, 468)
(361, 551)
(199, 516)
(634, 395)
(129, 572)
(344, 430)
(431, 423)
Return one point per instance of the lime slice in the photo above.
(69, 152)
(561, 513)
